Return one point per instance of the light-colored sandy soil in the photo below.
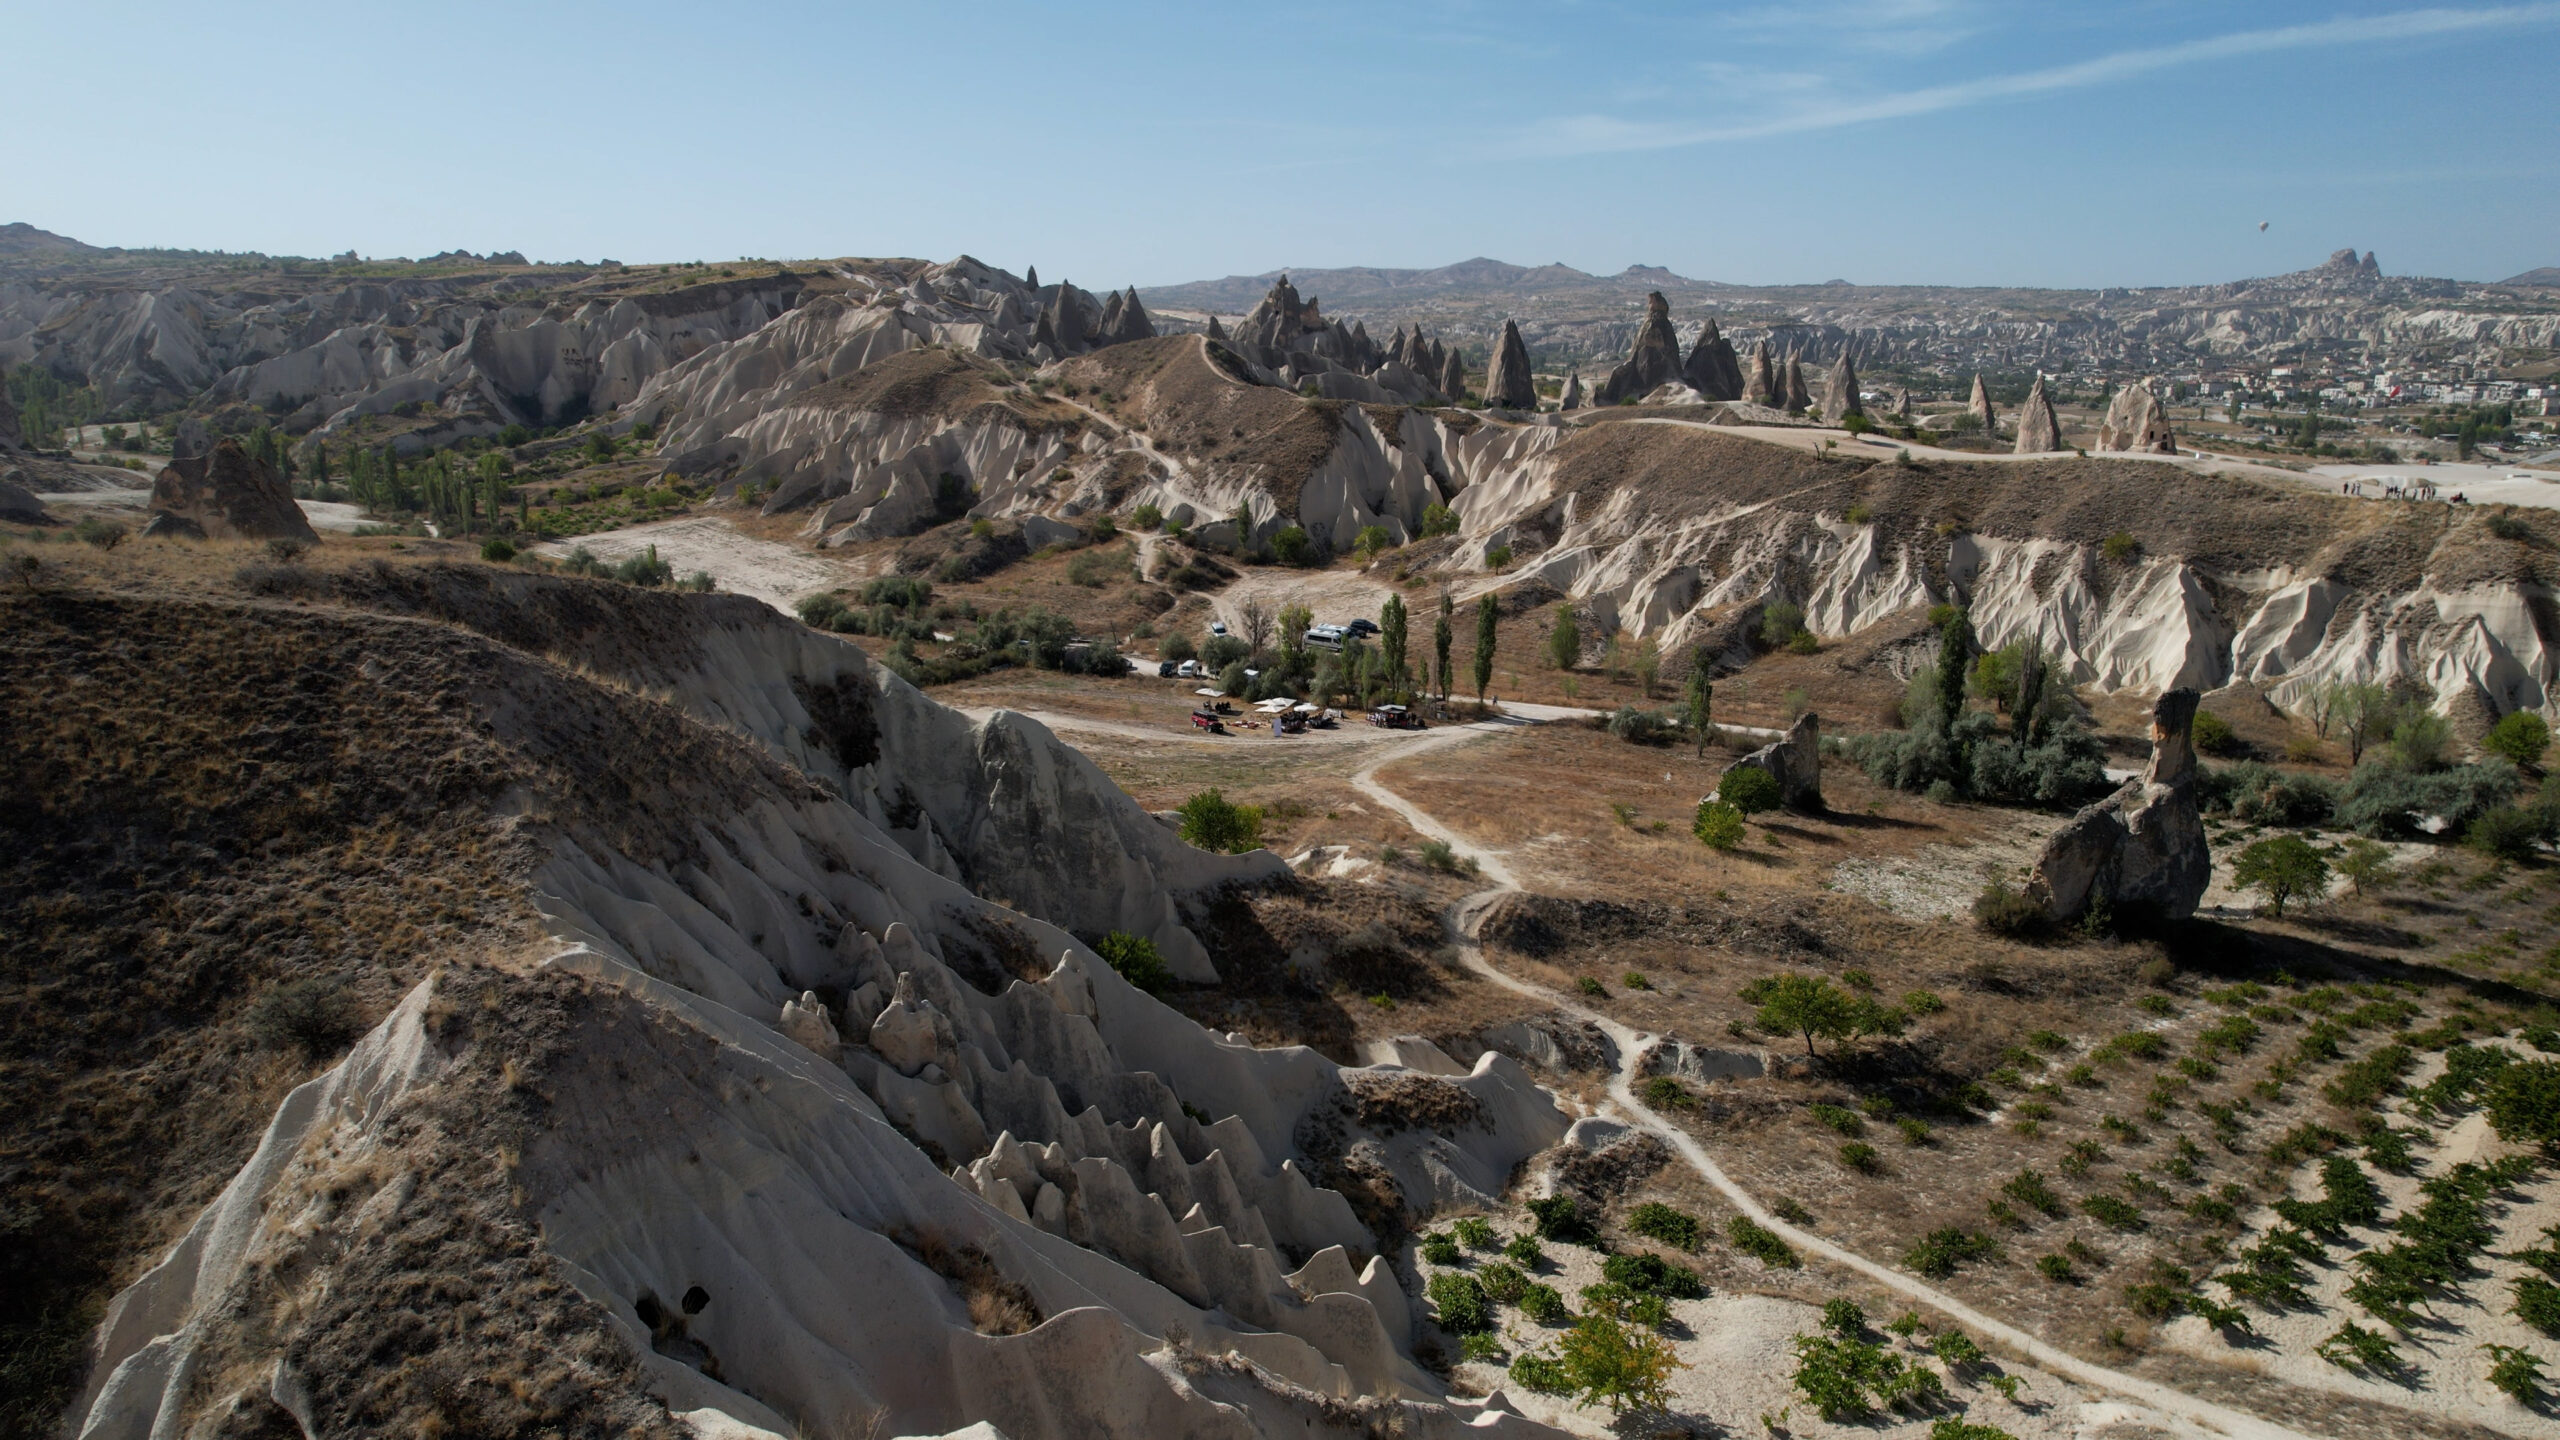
(776, 573)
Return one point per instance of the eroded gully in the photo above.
(1467, 915)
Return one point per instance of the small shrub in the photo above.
(2109, 1211)
(1941, 1251)
(314, 1016)
(1860, 1156)
(2056, 1268)
(1760, 1243)
(2029, 1189)
(1718, 826)
(2353, 1347)
(2120, 547)
(2002, 910)
(2520, 736)
(1504, 1282)
(1542, 1374)
(1209, 821)
(1461, 1304)
(99, 533)
(2214, 735)
(2516, 1372)
(1749, 789)
(1657, 1221)
(1560, 1219)
(1474, 1233)
(1844, 1120)
(1137, 960)
(2538, 1304)
(1652, 1275)
(1439, 1250)
(1524, 1251)
(1542, 1304)
(1664, 1093)
(1480, 1350)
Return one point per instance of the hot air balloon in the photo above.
(2262, 225)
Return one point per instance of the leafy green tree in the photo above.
(1701, 698)
(2419, 740)
(1955, 652)
(2280, 869)
(1392, 646)
(1611, 1363)
(1440, 638)
(1488, 619)
(1211, 822)
(1564, 642)
(2363, 713)
(1806, 1005)
(1290, 545)
(2520, 736)
(2365, 863)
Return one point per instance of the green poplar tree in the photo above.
(1702, 697)
(1392, 643)
(1440, 638)
(1488, 615)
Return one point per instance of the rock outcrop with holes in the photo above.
(1794, 761)
(800, 1135)
(1652, 362)
(1508, 383)
(2136, 420)
(2039, 429)
(212, 489)
(2140, 852)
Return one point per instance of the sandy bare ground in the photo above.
(773, 572)
(1940, 882)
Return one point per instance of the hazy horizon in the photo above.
(1903, 142)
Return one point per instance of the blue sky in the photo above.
(1914, 141)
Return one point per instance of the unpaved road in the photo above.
(2187, 1413)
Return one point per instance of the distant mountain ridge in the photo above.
(1238, 293)
(20, 238)
(2545, 275)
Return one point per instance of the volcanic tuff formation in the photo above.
(1712, 369)
(994, 1184)
(2136, 420)
(2039, 429)
(214, 490)
(1571, 399)
(1508, 384)
(1840, 393)
(1980, 408)
(1798, 398)
(1794, 761)
(1763, 387)
(1654, 361)
(2141, 851)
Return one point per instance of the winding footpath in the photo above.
(1468, 914)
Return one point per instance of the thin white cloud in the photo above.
(1594, 134)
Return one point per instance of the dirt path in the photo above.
(1466, 916)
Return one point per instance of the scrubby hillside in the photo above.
(660, 921)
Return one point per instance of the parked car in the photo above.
(1325, 637)
(1167, 669)
(1217, 627)
(1395, 717)
(1188, 670)
(1361, 626)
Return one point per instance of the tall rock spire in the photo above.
(2039, 429)
(1799, 399)
(1654, 360)
(1764, 387)
(1508, 385)
(1713, 370)
(1572, 398)
(1453, 377)
(1840, 395)
(2136, 420)
(1979, 407)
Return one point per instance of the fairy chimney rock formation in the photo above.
(1840, 394)
(2039, 429)
(1453, 379)
(1979, 407)
(2140, 851)
(1652, 362)
(1799, 399)
(2136, 420)
(1762, 388)
(1572, 398)
(217, 492)
(1713, 370)
(1216, 330)
(1508, 385)
(1795, 762)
